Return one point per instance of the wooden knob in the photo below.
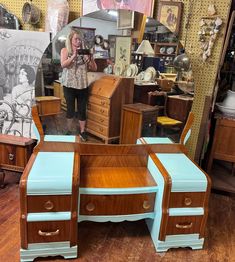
(146, 204)
(90, 207)
(49, 205)
(187, 201)
(11, 157)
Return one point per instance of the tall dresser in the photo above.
(107, 95)
(48, 200)
(182, 202)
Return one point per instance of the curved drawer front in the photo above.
(102, 120)
(91, 125)
(99, 100)
(187, 199)
(50, 231)
(100, 110)
(57, 203)
(116, 204)
(183, 225)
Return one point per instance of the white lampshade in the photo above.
(145, 48)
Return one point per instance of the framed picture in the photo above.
(125, 19)
(112, 44)
(123, 49)
(146, 7)
(169, 14)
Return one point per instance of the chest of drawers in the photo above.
(14, 153)
(48, 193)
(106, 97)
(183, 203)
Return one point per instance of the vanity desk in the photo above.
(65, 183)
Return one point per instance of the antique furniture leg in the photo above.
(2, 176)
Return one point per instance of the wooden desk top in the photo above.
(16, 140)
(116, 177)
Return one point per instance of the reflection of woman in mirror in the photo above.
(74, 80)
(23, 93)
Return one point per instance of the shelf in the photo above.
(116, 177)
(165, 44)
(165, 54)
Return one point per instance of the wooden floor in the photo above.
(126, 241)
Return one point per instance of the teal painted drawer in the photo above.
(183, 225)
(49, 203)
(49, 231)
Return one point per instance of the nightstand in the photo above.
(15, 152)
(137, 120)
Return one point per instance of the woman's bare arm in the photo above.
(65, 60)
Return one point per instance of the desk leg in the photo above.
(2, 176)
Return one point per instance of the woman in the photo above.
(74, 80)
(23, 94)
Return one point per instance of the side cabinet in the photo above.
(48, 217)
(14, 154)
(137, 120)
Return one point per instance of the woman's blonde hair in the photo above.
(68, 42)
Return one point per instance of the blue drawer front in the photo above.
(51, 174)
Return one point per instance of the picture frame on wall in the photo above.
(169, 14)
(123, 49)
(125, 19)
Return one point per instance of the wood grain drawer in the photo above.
(48, 203)
(13, 155)
(183, 225)
(187, 199)
(116, 204)
(99, 100)
(49, 231)
(101, 129)
(98, 109)
(102, 120)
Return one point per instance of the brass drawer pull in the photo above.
(102, 103)
(49, 205)
(146, 204)
(48, 234)
(101, 111)
(187, 201)
(101, 120)
(11, 157)
(101, 129)
(90, 207)
(184, 226)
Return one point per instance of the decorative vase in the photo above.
(229, 101)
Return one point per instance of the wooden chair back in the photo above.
(187, 129)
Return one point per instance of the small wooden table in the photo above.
(15, 152)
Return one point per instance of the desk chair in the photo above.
(165, 140)
(164, 120)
